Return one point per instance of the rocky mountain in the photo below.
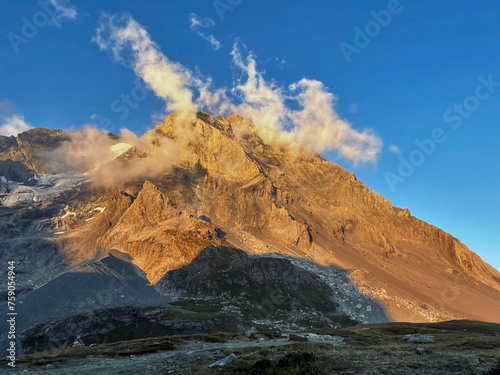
(256, 288)
(227, 187)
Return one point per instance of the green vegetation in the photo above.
(377, 346)
(123, 348)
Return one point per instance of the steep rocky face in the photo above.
(30, 147)
(231, 188)
(255, 284)
(156, 233)
(143, 223)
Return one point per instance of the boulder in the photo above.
(222, 362)
(418, 338)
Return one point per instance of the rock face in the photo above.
(110, 282)
(162, 238)
(230, 188)
(29, 148)
(257, 287)
(145, 225)
(103, 283)
(120, 324)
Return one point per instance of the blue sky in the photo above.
(411, 71)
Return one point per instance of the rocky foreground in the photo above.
(457, 347)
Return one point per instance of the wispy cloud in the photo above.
(312, 122)
(91, 151)
(395, 149)
(13, 125)
(131, 45)
(198, 23)
(262, 102)
(64, 11)
(316, 125)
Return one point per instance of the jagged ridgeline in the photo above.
(126, 224)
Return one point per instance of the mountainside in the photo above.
(227, 187)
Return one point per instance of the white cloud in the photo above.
(315, 125)
(319, 127)
(131, 45)
(93, 116)
(198, 23)
(91, 151)
(262, 102)
(62, 10)
(13, 125)
(395, 149)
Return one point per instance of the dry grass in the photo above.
(380, 347)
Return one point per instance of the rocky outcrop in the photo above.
(268, 288)
(121, 324)
(30, 148)
(3, 188)
(108, 282)
(16, 171)
(158, 235)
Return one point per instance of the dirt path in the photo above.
(178, 361)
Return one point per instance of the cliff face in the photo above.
(29, 149)
(230, 188)
(256, 288)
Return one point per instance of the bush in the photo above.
(495, 370)
(262, 364)
(301, 359)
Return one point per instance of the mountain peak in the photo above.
(148, 185)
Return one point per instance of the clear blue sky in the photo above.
(416, 73)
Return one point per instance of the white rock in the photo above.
(418, 338)
(230, 358)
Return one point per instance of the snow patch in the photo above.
(47, 187)
(67, 213)
(120, 148)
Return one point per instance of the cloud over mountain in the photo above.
(315, 125)
(13, 125)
